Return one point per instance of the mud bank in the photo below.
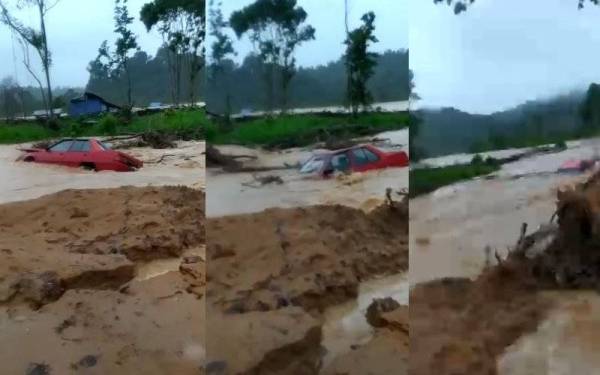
(273, 274)
(79, 291)
(183, 165)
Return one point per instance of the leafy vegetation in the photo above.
(184, 124)
(276, 28)
(323, 85)
(300, 130)
(360, 63)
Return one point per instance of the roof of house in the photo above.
(90, 95)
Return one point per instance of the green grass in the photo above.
(426, 180)
(300, 130)
(184, 123)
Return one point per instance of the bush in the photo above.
(108, 125)
(75, 129)
(477, 159)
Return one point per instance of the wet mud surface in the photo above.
(276, 274)
(103, 281)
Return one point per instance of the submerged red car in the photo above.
(84, 153)
(354, 159)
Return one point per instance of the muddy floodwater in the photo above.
(236, 193)
(451, 227)
(183, 165)
(566, 342)
(345, 325)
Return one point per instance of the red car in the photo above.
(85, 153)
(354, 159)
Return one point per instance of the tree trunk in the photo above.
(46, 61)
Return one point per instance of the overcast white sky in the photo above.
(76, 28)
(327, 17)
(502, 52)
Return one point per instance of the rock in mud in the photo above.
(387, 352)
(379, 307)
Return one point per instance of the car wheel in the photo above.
(29, 159)
(89, 167)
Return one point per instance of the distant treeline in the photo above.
(242, 86)
(150, 80)
(17, 101)
(449, 130)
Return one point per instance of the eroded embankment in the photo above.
(462, 325)
(272, 274)
(70, 298)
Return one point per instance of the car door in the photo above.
(56, 153)
(339, 162)
(78, 154)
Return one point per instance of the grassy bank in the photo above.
(300, 130)
(185, 123)
(426, 180)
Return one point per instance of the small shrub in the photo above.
(108, 125)
(477, 159)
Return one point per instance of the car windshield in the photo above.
(312, 165)
(104, 146)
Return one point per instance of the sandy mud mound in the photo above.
(459, 326)
(310, 257)
(109, 280)
(387, 352)
(92, 238)
(273, 273)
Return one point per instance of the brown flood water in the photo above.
(184, 165)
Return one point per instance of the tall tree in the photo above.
(360, 63)
(221, 50)
(38, 39)
(116, 63)
(276, 29)
(182, 25)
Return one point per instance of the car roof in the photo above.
(76, 139)
(340, 150)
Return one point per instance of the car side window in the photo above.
(340, 162)
(360, 157)
(370, 155)
(61, 146)
(80, 146)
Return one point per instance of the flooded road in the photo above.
(183, 165)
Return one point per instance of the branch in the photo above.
(49, 8)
